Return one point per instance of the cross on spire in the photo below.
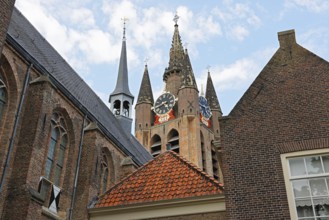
(176, 17)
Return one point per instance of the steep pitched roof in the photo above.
(145, 91)
(211, 95)
(168, 176)
(122, 86)
(30, 43)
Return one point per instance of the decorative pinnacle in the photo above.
(176, 17)
(124, 19)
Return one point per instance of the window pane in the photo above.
(47, 168)
(57, 175)
(297, 167)
(51, 149)
(304, 208)
(325, 160)
(301, 188)
(313, 165)
(318, 187)
(321, 209)
(60, 159)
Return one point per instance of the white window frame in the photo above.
(286, 174)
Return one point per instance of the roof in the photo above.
(122, 86)
(168, 176)
(31, 44)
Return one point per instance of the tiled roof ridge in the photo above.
(130, 175)
(196, 169)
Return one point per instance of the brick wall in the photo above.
(286, 104)
(6, 8)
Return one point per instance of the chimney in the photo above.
(287, 39)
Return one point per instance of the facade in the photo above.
(61, 145)
(181, 119)
(276, 139)
(5, 12)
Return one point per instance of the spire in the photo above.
(176, 54)
(211, 95)
(122, 86)
(188, 75)
(145, 91)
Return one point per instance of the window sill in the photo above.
(45, 211)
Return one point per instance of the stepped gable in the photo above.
(169, 176)
(26, 39)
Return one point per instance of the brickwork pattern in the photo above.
(204, 216)
(6, 8)
(286, 104)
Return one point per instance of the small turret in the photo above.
(121, 99)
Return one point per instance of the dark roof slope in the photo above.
(28, 40)
(168, 176)
(145, 91)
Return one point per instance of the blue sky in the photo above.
(235, 38)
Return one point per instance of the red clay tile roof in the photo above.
(168, 176)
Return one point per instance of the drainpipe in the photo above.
(77, 169)
(17, 116)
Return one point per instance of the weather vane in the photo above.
(176, 17)
(124, 19)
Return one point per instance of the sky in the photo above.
(233, 39)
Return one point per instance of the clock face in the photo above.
(204, 107)
(164, 103)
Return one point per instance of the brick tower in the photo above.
(180, 119)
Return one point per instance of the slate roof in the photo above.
(211, 95)
(31, 44)
(168, 176)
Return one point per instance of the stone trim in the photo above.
(303, 145)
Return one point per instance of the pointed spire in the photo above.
(188, 75)
(122, 86)
(145, 91)
(211, 95)
(176, 54)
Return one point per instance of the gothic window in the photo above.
(307, 180)
(104, 173)
(56, 149)
(173, 141)
(3, 96)
(155, 145)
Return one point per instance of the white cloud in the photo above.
(316, 40)
(316, 6)
(237, 19)
(83, 17)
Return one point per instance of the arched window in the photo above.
(155, 145)
(126, 108)
(3, 96)
(173, 141)
(215, 164)
(203, 153)
(104, 173)
(116, 107)
(56, 149)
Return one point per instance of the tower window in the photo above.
(173, 141)
(126, 108)
(203, 154)
(215, 166)
(156, 145)
(116, 107)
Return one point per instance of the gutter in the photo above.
(13, 135)
(76, 175)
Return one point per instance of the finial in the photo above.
(176, 17)
(146, 60)
(124, 19)
(208, 68)
(202, 92)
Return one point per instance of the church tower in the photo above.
(179, 119)
(121, 99)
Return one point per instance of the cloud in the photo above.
(316, 40)
(239, 74)
(316, 6)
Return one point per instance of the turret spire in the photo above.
(121, 99)
(145, 91)
(211, 95)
